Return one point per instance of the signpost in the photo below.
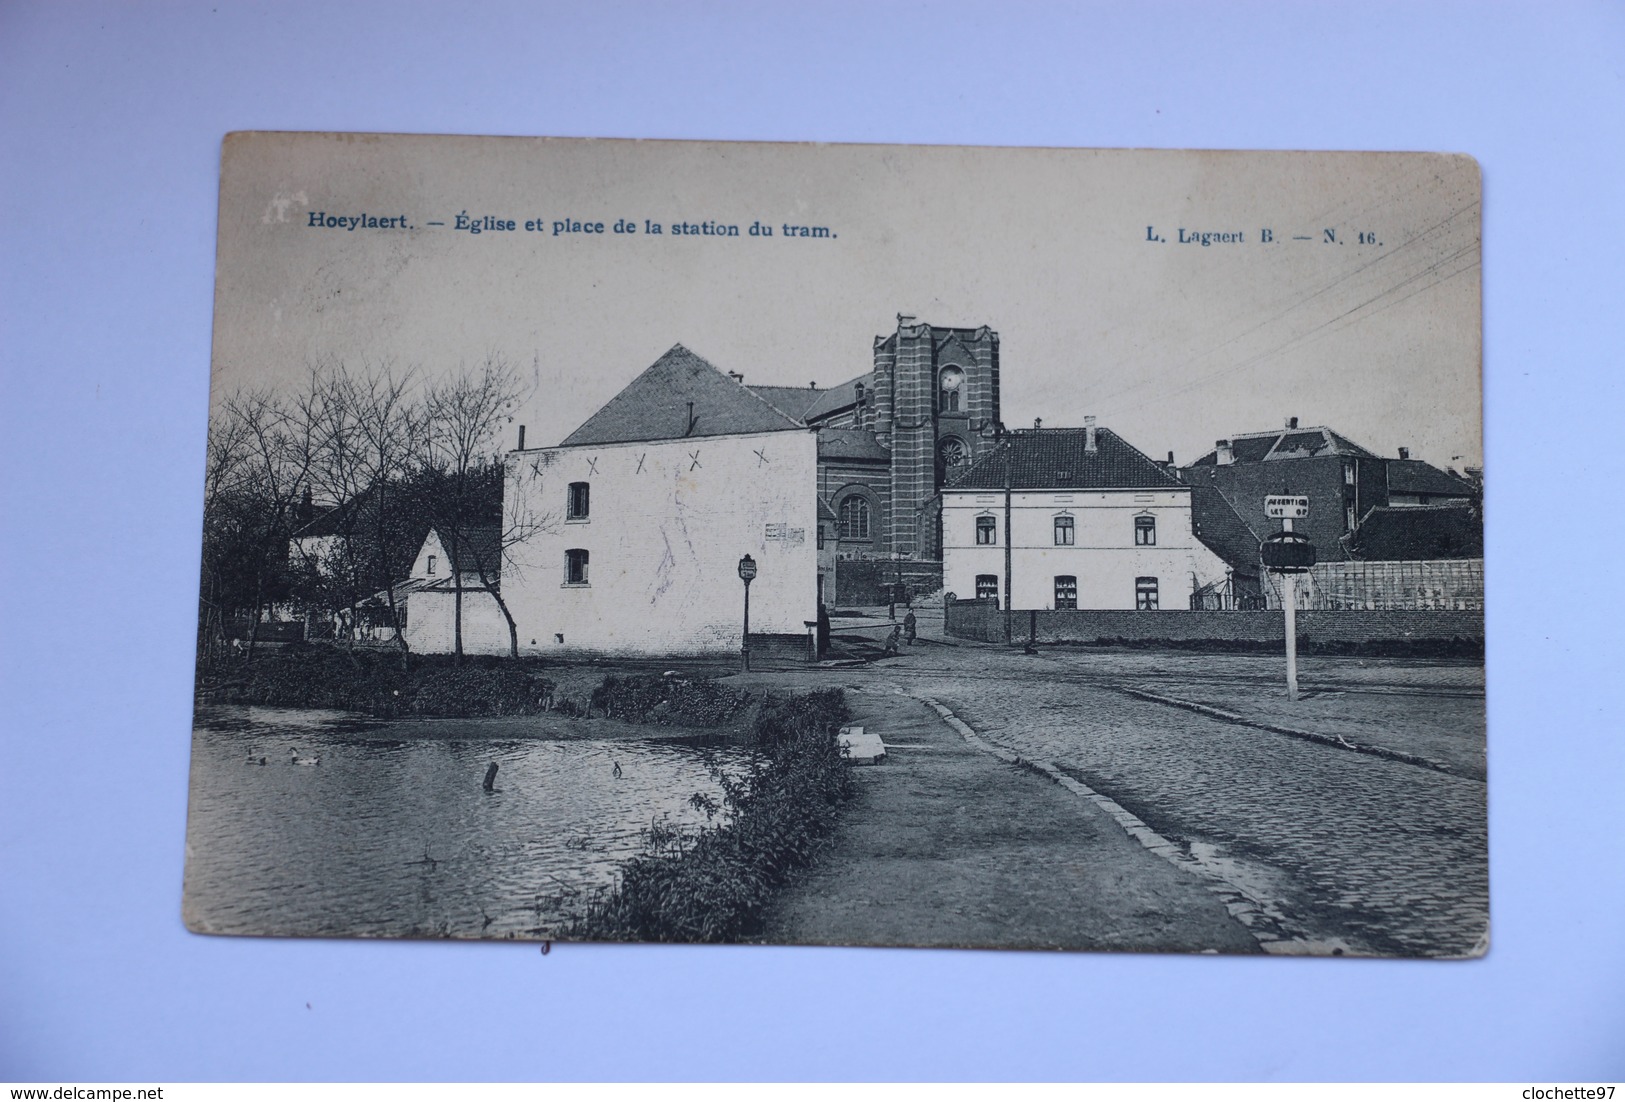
(1289, 555)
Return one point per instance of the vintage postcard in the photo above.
(859, 545)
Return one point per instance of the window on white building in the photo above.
(1066, 591)
(1145, 531)
(987, 530)
(431, 564)
(575, 566)
(1145, 594)
(987, 587)
(1063, 531)
(854, 517)
(579, 501)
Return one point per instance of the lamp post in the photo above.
(747, 571)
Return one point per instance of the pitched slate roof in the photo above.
(794, 400)
(1056, 459)
(851, 444)
(655, 406)
(835, 398)
(1413, 476)
(1401, 533)
(1223, 530)
(1282, 444)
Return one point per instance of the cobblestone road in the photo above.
(1345, 851)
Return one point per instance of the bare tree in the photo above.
(386, 424)
(259, 462)
(466, 414)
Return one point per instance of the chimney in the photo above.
(737, 377)
(1222, 455)
(521, 437)
(1291, 422)
(1038, 423)
(1170, 460)
(904, 321)
(1089, 434)
(1404, 453)
(813, 385)
(858, 390)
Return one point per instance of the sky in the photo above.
(1360, 310)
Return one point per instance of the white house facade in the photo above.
(641, 518)
(1073, 519)
(432, 597)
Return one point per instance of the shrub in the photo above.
(713, 884)
(373, 681)
(667, 701)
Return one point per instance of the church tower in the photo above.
(936, 407)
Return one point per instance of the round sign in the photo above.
(1287, 552)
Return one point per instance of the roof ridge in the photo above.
(1123, 441)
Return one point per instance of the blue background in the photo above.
(112, 116)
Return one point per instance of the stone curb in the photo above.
(1292, 732)
(1270, 934)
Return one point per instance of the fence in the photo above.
(1438, 585)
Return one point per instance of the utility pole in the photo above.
(1008, 541)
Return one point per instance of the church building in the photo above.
(833, 490)
(890, 439)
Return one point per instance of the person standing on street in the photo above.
(909, 625)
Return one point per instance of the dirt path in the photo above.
(947, 846)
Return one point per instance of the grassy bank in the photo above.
(377, 683)
(714, 884)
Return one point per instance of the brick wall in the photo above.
(973, 619)
(980, 620)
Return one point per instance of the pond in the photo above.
(386, 836)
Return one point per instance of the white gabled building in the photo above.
(640, 518)
(448, 574)
(1073, 518)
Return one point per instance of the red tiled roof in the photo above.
(1056, 459)
(476, 547)
(1284, 444)
(1413, 476)
(655, 406)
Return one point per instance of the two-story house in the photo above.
(1073, 518)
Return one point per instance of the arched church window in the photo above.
(854, 515)
(952, 451)
(949, 385)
